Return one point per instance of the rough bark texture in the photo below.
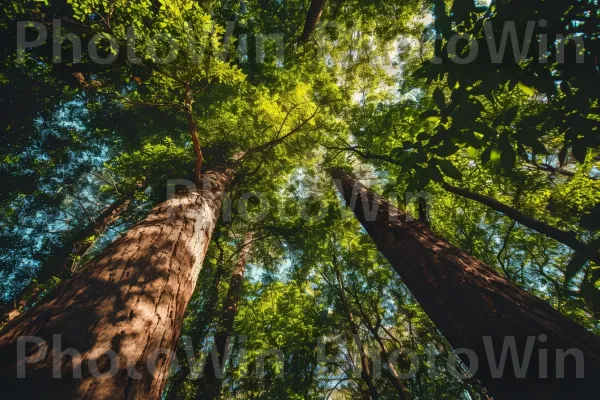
(57, 263)
(130, 300)
(365, 372)
(28, 295)
(468, 301)
(312, 19)
(210, 385)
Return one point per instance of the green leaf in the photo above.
(446, 149)
(410, 161)
(423, 177)
(423, 136)
(434, 171)
(471, 139)
(495, 155)
(408, 145)
(482, 128)
(538, 147)
(530, 121)
(562, 155)
(430, 115)
(508, 158)
(438, 97)
(530, 138)
(486, 155)
(449, 169)
(529, 91)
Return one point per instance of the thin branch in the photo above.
(267, 147)
(503, 249)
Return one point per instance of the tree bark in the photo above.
(28, 295)
(312, 19)
(130, 300)
(477, 309)
(57, 262)
(365, 373)
(210, 384)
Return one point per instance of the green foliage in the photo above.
(75, 138)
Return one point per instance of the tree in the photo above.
(490, 306)
(135, 291)
(498, 158)
(313, 15)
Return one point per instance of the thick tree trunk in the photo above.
(312, 19)
(122, 312)
(365, 372)
(57, 264)
(209, 386)
(27, 296)
(477, 309)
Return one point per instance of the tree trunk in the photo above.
(57, 262)
(477, 309)
(129, 302)
(365, 373)
(209, 386)
(312, 19)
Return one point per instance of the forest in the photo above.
(300, 199)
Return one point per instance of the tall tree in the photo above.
(487, 310)
(130, 300)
